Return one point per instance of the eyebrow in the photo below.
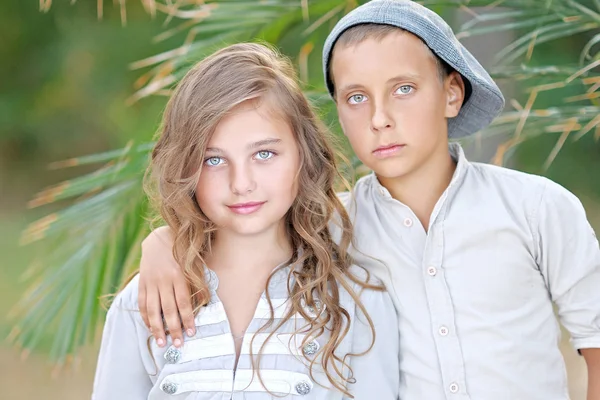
(355, 86)
(254, 145)
(404, 77)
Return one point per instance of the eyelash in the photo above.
(273, 154)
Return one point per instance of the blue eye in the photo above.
(404, 89)
(213, 161)
(357, 98)
(264, 154)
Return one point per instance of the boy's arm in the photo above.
(163, 289)
(569, 258)
(592, 359)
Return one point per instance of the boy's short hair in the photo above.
(359, 33)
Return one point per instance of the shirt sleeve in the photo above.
(120, 373)
(569, 259)
(376, 373)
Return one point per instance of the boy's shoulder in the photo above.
(508, 175)
(527, 187)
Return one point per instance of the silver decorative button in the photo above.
(172, 355)
(302, 388)
(169, 387)
(316, 307)
(310, 348)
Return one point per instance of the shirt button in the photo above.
(454, 387)
(303, 388)
(173, 355)
(444, 331)
(382, 191)
(432, 271)
(408, 222)
(310, 348)
(169, 387)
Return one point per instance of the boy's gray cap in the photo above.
(485, 101)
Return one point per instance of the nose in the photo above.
(381, 118)
(241, 180)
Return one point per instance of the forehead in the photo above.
(397, 53)
(250, 121)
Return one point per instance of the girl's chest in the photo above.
(266, 364)
(211, 365)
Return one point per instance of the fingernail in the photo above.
(160, 342)
(177, 342)
(190, 333)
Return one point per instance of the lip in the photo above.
(388, 150)
(246, 208)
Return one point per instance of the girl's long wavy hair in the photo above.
(212, 89)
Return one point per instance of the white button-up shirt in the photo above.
(474, 292)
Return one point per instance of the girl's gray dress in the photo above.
(132, 367)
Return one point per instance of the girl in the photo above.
(244, 176)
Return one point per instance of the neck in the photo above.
(259, 253)
(421, 189)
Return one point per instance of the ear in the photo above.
(455, 91)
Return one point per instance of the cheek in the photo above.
(353, 119)
(355, 125)
(281, 179)
(208, 190)
(424, 129)
(419, 115)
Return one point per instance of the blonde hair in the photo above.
(212, 89)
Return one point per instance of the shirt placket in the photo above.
(441, 309)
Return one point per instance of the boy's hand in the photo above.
(163, 290)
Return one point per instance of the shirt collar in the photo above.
(462, 164)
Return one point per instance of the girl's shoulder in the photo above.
(127, 298)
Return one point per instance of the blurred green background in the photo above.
(66, 90)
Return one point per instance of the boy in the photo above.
(473, 255)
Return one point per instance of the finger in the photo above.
(155, 318)
(184, 304)
(142, 299)
(171, 314)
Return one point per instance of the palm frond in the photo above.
(148, 5)
(214, 24)
(95, 242)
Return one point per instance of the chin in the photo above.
(390, 169)
(251, 227)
